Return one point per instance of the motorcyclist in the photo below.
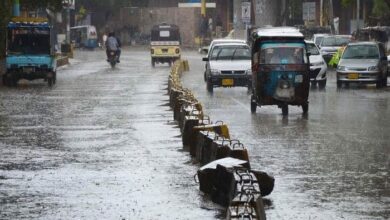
(113, 44)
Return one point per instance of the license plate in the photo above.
(353, 76)
(28, 69)
(227, 82)
(164, 50)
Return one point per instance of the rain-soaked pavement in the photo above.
(332, 164)
(101, 144)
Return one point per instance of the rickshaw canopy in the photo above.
(165, 32)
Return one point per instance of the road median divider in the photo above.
(225, 174)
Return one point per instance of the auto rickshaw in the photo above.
(280, 69)
(30, 51)
(165, 44)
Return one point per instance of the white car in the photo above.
(317, 38)
(331, 43)
(228, 65)
(216, 42)
(318, 66)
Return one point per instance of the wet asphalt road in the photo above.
(332, 164)
(101, 144)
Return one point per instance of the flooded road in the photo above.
(332, 164)
(101, 144)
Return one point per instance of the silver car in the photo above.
(363, 62)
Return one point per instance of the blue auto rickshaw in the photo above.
(280, 69)
(30, 54)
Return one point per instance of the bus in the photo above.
(84, 36)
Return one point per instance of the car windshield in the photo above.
(224, 52)
(318, 40)
(334, 41)
(361, 52)
(289, 53)
(312, 49)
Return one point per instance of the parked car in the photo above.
(330, 44)
(363, 62)
(318, 66)
(216, 42)
(228, 65)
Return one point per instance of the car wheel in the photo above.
(284, 109)
(210, 86)
(384, 81)
(379, 83)
(339, 84)
(322, 84)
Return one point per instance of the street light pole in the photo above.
(68, 25)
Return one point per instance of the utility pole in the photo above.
(203, 8)
(358, 15)
(322, 13)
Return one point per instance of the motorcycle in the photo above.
(112, 58)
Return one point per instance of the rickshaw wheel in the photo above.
(253, 107)
(13, 81)
(50, 82)
(305, 108)
(285, 110)
(5, 81)
(153, 63)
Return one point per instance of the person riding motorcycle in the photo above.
(113, 44)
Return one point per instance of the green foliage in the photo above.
(346, 3)
(381, 8)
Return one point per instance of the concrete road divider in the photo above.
(189, 134)
(247, 203)
(226, 175)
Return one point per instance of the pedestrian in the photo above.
(104, 39)
(210, 26)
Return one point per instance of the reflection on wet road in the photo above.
(333, 164)
(99, 145)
